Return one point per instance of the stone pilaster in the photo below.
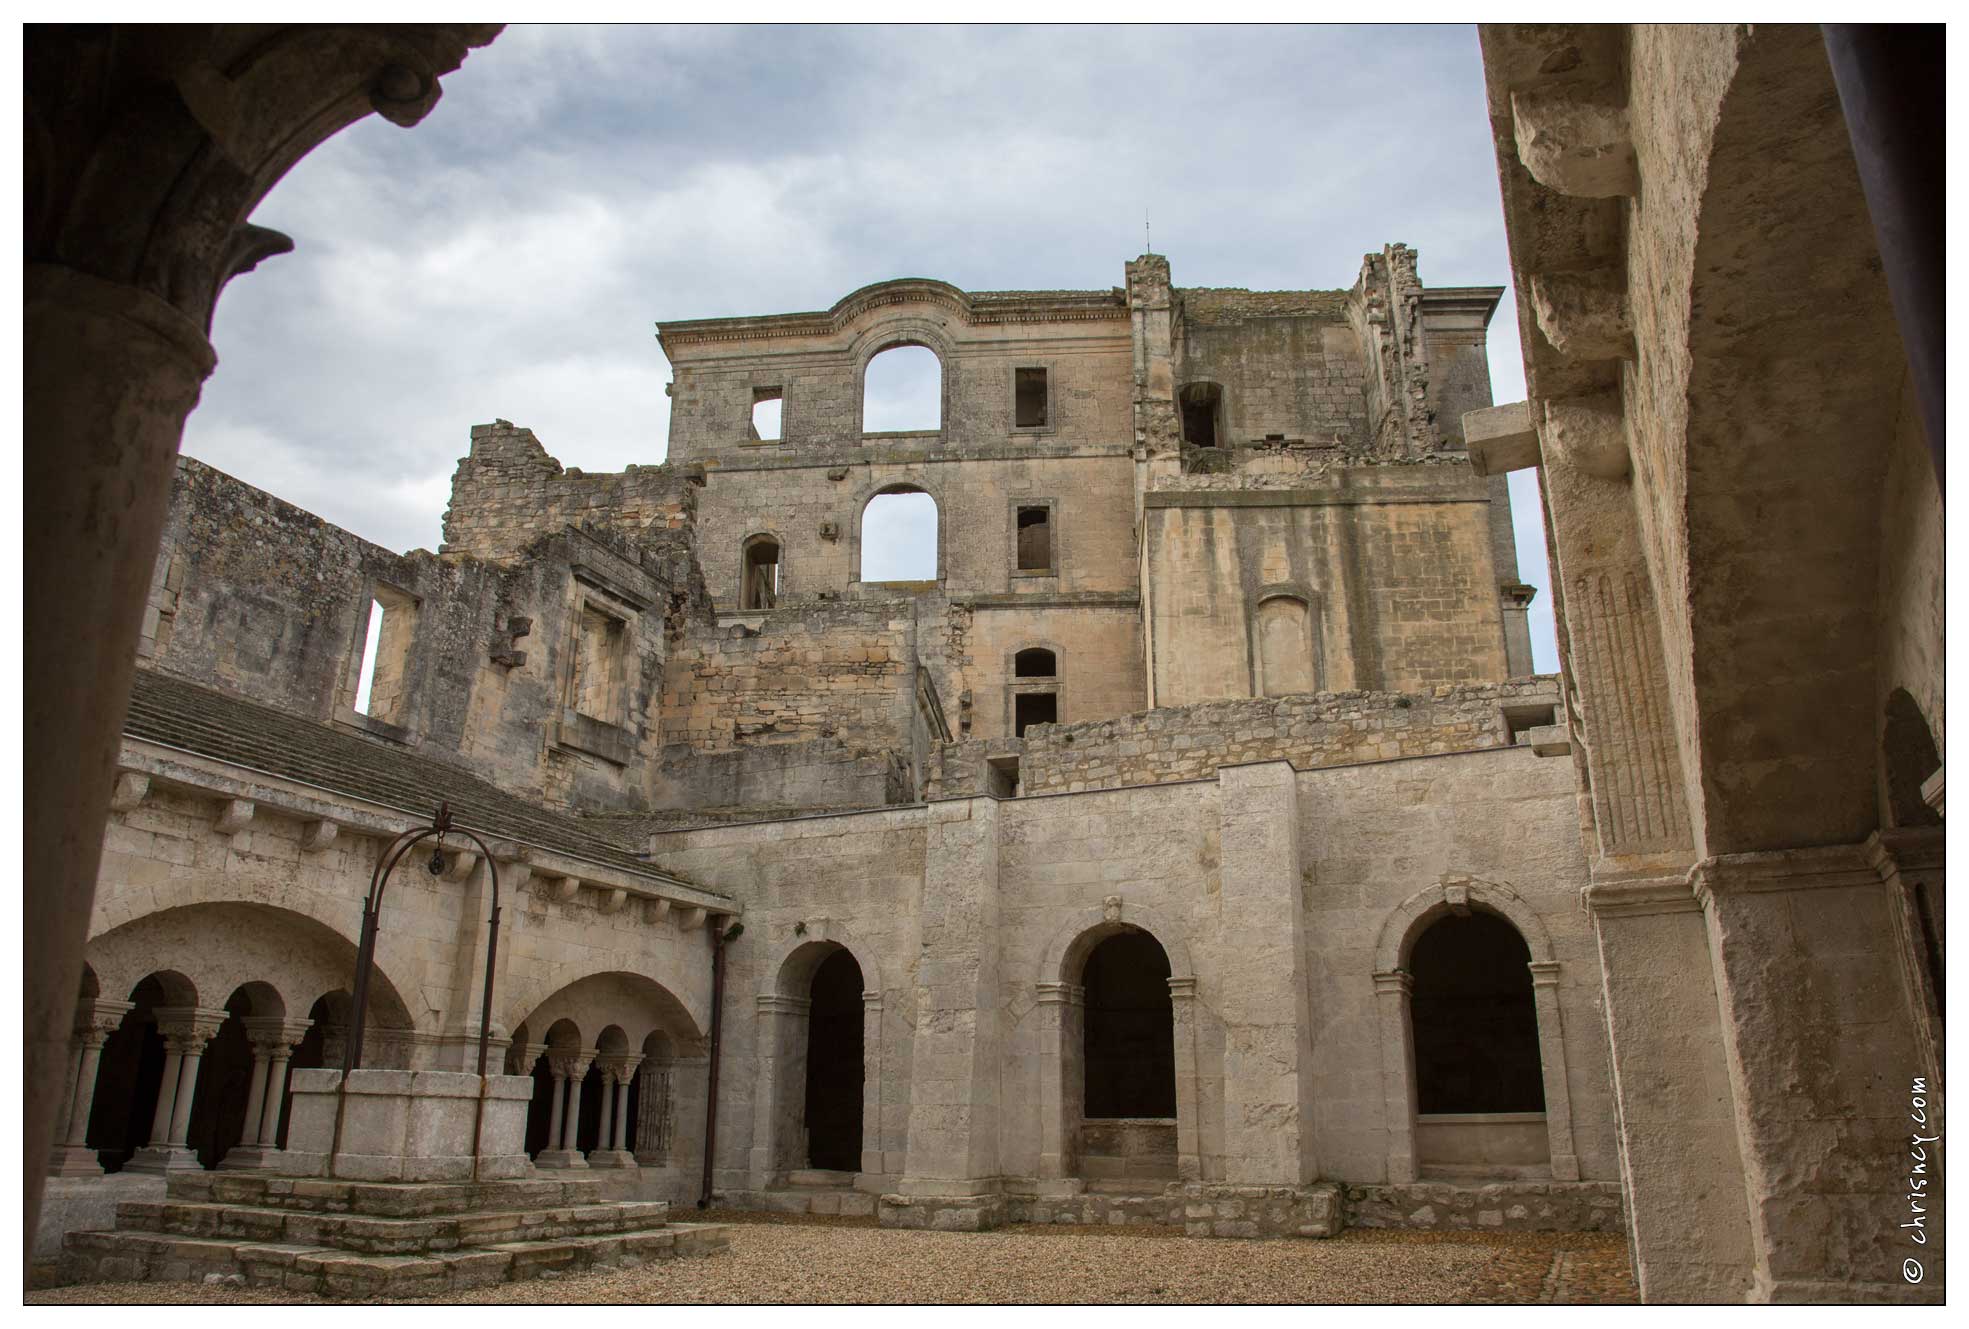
(1810, 973)
(1392, 990)
(782, 1084)
(874, 1159)
(952, 1175)
(1262, 1001)
(1061, 1013)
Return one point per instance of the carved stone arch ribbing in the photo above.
(1454, 891)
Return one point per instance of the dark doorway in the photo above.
(540, 1112)
(1031, 708)
(1476, 1027)
(834, 1066)
(1130, 1033)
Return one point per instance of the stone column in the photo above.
(1391, 993)
(1268, 1118)
(110, 374)
(782, 1083)
(1552, 1063)
(951, 1178)
(1182, 1007)
(565, 1124)
(186, 1031)
(621, 1140)
(1059, 1008)
(874, 1162)
(94, 1024)
(273, 1038)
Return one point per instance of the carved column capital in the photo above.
(97, 1019)
(1060, 994)
(187, 1029)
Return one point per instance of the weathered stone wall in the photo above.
(508, 492)
(1320, 729)
(1912, 617)
(1287, 361)
(1392, 562)
(1525, 1206)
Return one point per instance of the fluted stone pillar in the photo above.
(96, 1021)
(186, 1031)
(273, 1040)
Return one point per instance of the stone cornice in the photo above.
(975, 308)
(1782, 870)
(1623, 897)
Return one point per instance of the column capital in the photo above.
(1391, 981)
(776, 1003)
(187, 1029)
(97, 1019)
(1060, 994)
(1182, 989)
(1544, 973)
(272, 1034)
(619, 1067)
(571, 1065)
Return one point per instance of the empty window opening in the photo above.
(1002, 777)
(899, 537)
(1285, 648)
(766, 407)
(1034, 662)
(381, 677)
(902, 389)
(1129, 1047)
(1029, 398)
(1202, 405)
(1475, 1025)
(1519, 721)
(1031, 708)
(1035, 539)
(834, 1065)
(598, 688)
(759, 581)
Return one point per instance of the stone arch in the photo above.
(748, 548)
(634, 1002)
(1061, 1002)
(886, 332)
(1908, 758)
(1459, 892)
(786, 1034)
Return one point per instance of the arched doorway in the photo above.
(833, 1111)
(1479, 1079)
(1128, 1062)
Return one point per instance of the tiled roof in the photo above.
(231, 729)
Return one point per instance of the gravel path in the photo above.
(846, 1260)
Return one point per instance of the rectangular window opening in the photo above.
(767, 404)
(1029, 398)
(1519, 721)
(1002, 777)
(1035, 539)
(598, 688)
(383, 671)
(1031, 708)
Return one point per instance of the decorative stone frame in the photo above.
(1052, 425)
(1012, 569)
(1315, 619)
(1061, 1006)
(779, 541)
(910, 483)
(1015, 687)
(784, 1011)
(1458, 893)
(887, 335)
(606, 737)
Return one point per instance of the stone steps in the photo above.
(374, 1235)
(383, 1199)
(126, 1255)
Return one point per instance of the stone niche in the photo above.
(407, 1126)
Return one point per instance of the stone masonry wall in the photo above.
(1320, 729)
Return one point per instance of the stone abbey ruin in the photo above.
(1192, 843)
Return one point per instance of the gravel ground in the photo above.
(775, 1258)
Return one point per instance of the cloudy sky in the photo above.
(575, 186)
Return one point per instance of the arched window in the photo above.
(1285, 648)
(902, 390)
(1034, 662)
(1475, 1023)
(899, 536)
(758, 586)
